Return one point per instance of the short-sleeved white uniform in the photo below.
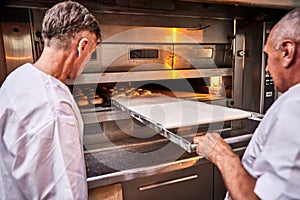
(41, 150)
(273, 155)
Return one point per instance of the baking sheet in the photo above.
(169, 112)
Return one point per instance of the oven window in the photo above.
(143, 53)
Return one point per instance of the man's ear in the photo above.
(82, 45)
(288, 52)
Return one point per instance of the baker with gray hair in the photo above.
(41, 130)
(270, 167)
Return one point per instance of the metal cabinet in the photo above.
(191, 183)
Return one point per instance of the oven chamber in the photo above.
(213, 57)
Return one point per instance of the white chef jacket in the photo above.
(41, 150)
(273, 154)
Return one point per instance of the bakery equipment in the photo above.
(195, 53)
(181, 68)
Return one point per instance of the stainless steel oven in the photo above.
(146, 62)
(185, 50)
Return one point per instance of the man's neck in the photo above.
(55, 63)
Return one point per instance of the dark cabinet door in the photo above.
(188, 184)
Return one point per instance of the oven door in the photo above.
(131, 57)
(202, 56)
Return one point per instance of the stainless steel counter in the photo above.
(119, 165)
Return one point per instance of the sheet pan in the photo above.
(164, 113)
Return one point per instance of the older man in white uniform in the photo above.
(273, 156)
(41, 149)
(270, 168)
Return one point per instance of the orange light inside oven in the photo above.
(19, 58)
(173, 38)
(174, 35)
(168, 63)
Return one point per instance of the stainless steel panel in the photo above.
(118, 41)
(17, 44)
(136, 173)
(207, 31)
(194, 56)
(199, 53)
(202, 56)
(257, 100)
(116, 57)
(92, 78)
(258, 3)
(238, 69)
(238, 73)
(162, 13)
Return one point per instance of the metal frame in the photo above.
(106, 77)
(258, 3)
(180, 141)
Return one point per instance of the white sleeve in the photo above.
(49, 163)
(279, 162)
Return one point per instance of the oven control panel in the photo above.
(269, 91)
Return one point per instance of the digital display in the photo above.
(143, 53)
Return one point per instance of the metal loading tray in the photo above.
(162, 112)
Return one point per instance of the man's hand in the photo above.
(237, 180)
(211, 146)
(206, 143)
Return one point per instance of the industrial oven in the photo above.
(141, 68)
(174, 59)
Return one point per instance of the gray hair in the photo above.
(64, 20)
(287, 28)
